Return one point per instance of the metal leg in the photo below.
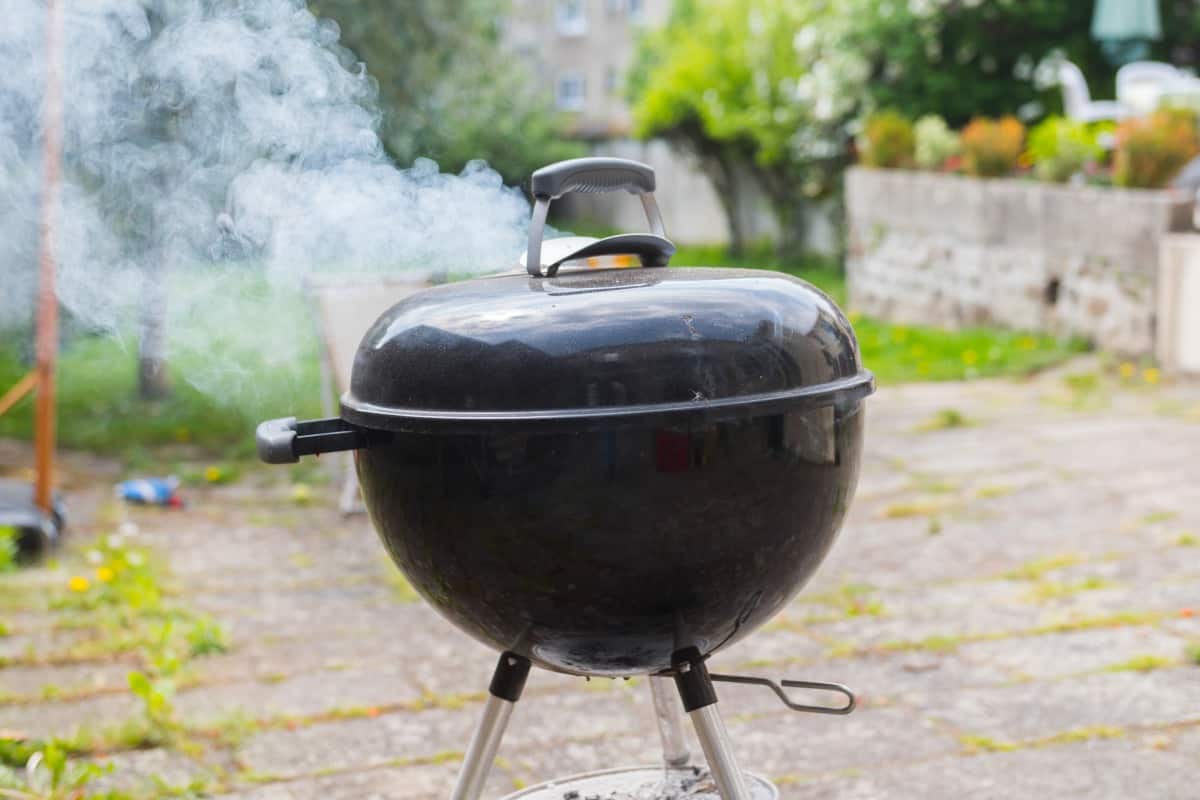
(507, 683)
(700, 701)
(670, 723)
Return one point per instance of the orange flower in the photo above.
(1187, 613)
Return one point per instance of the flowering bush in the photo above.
(1151, 150)
(887, 140)
(935, 142)
(1060, 148)
(991, 148)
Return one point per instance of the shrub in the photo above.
(887, 140)
(992, 147)
(935, 142)
(1151, 150)
(1059, 148)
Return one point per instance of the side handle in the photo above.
(276, 439)
(284, 440)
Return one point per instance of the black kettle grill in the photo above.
(604, 472)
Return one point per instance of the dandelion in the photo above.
(1151, 375)
(1127, 370)
(213, 474)
(105, 574)
(970, 357)
(78, 584)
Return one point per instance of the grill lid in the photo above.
(595, 346)
(602, 344)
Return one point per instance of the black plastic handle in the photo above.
(284, 440)
(595, 174)
(276, 439)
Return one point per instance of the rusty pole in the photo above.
(47, 311)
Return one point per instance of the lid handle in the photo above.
(588, 175)
(592, 175)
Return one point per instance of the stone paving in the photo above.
(1016, 600)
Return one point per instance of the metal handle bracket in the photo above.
(851, 702)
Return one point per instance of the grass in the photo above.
(905, 353)
(973, 744)
(227, 375)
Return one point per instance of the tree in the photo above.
(963, 59)
(448, 89)
(750, 86)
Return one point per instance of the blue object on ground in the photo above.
(150, 491)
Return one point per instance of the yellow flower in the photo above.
(1151, 375)
(970, 357)
(1127, 370)
(105, 574)
(1027, 343)
(213, 474)
(78, 584)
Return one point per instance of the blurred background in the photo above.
(1000, 193)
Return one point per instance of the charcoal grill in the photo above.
(605, 472)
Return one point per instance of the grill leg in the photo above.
(507, 683)
(670, 723)
(700, 702)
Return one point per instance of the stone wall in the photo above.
(952, 250)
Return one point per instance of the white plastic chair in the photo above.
(1077, 99)
(1142, 84)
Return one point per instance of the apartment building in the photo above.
(582, 50)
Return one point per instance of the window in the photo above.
(571, 92)
(570, 18)
(611, 80)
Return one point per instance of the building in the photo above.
(582, 49)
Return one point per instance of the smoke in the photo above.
(211, 146)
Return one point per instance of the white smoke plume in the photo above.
(204, 136)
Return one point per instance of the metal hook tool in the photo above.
(787, 701)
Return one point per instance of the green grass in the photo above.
(905, 353)
(229, 370)
(223, 381)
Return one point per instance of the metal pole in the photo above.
(718, 751)
(700, 701)
(507, 683)
(47, 314)
(482, 752)
(670, 723)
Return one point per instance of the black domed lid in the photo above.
(589, 346)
